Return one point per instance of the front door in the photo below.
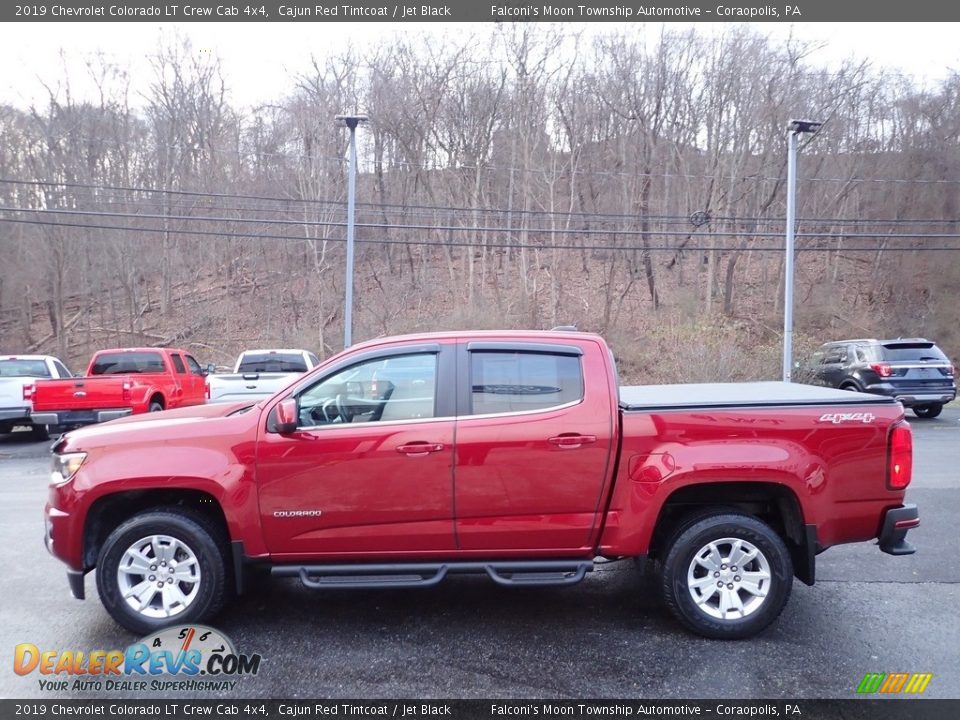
(370, 469)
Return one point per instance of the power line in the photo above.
(339, 204)
(475, 228)
(475, 246)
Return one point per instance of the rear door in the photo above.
(533, 442)
(832, 367)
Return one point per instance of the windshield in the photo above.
(12, 367)
(272, 362)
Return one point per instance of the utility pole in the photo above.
(351, 122)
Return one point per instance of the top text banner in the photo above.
(485, 11)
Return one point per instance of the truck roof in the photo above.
(139, 349)
(15, 356)
(468, 334)
(267, 351)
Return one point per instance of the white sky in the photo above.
(259, 59)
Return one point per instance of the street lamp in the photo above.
(350, 121)
(795, 128)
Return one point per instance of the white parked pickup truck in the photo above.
(22, 371)
(259, 374)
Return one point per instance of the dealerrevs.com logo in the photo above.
(179, 658)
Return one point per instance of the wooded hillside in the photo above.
(632, 185)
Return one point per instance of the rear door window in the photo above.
(506, 382)
(178, 364)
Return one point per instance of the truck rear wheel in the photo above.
(39, 432)
(726, 575)
(160, 567)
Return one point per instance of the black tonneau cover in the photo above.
(752, 394)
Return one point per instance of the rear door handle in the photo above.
(419, 449)
(571, 442)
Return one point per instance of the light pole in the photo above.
(795, 128)
(350, 121)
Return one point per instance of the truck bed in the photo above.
(732, 395)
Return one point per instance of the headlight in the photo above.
(64, 467)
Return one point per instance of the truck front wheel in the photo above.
(726, 575)
(162, 566)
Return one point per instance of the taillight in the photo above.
(900, 468)
(28, 391)
(882, 369)
(126, 390)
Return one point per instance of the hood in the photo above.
(134, 427)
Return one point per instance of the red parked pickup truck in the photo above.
(121, 382)
(404, 460)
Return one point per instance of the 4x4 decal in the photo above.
(837, 418)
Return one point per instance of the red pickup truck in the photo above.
(515, 454)
(120, 382)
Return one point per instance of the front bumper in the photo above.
(79, 417)
(893, 534)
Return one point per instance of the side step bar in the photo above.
(511, 573)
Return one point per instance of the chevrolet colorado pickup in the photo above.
(118, 383)
(404, 460)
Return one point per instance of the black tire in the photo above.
(687, 542)
(852, 387)
(39, 432)
(927, 411)
(199, 534)
(155, 406)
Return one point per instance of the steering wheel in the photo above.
(345, 416)
(325, 407)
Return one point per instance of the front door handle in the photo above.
(419, 449)
(572, 441)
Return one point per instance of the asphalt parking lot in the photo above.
(606, 637)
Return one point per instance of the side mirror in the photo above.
(210, 369)
(286, 416)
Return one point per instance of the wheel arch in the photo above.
(110, 511)
(774, 503)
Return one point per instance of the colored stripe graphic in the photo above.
(918, 683)
(894, 682)
(871, 683)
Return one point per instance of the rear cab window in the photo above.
(125, 363)
(16, 367)
(272, 362)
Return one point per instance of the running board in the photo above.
(511, 573)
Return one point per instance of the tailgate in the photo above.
(11, 392)
(247, 386)
(82, 393)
